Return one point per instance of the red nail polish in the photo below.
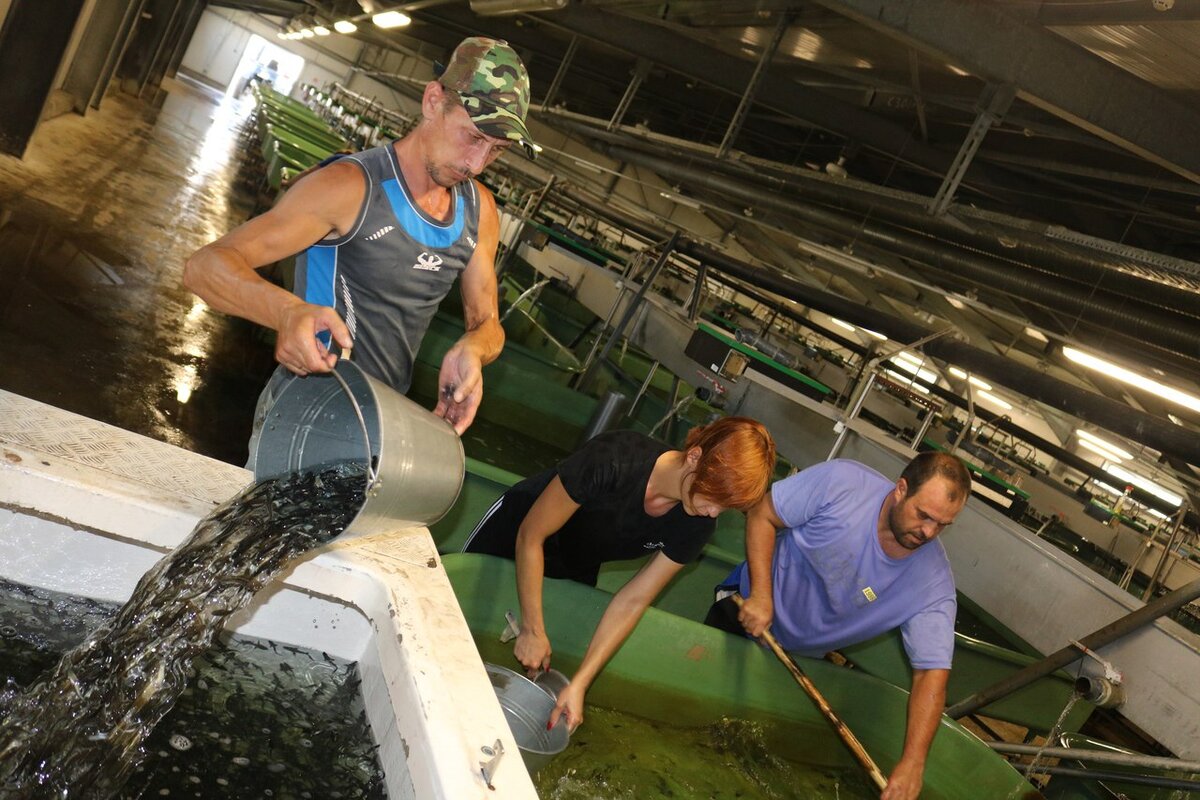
(548, 725)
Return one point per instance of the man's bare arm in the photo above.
(223, 273)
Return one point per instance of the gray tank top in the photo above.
(388, 275)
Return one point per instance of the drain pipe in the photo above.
(1097, 756)
(1093, 641)
(1100, 775)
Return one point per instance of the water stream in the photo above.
(80, 730)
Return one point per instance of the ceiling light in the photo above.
(1132, 378)
(1144, 483)
(994, 399)
(1034, 333)
(307, 33)
(321, 30)
(876, 335)
(282, 35)
(842, 324)
(958, 373)
(954, 301)
(344, 26)
(391, 19)
(1119, 453)
(1108, 455)
(906, 380)
(904, 355)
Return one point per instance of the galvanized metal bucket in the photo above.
(416, 464)
(527, 709)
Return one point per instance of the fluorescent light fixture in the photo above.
(954, 301)
(904, 355)
(391, 19)
(994, 399)
(878, 336)
(683, 201)
(842, 324)
(537, 148)
(1121, 455)
(1107, 455)
(958, 373)
(1132, 378)
(914, 369)
(344, 26)
(906, 380)
(1143, 483)
(307, 33)
(282, 35)
(321, 30)
(1034, 333)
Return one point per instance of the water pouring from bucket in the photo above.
(415, 459)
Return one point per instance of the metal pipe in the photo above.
(634, 304)
(1172, 540)
(1141, 780)
(642, 389)
(1095, 640)
(1097, 756)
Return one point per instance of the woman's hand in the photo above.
(570, 705)
(533, 651)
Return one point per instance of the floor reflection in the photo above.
(95, 224)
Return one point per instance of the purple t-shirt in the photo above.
(834, 585)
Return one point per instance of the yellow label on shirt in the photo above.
(869, 593)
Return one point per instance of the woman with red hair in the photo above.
(620, 496)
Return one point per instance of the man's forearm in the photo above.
(222, 279)
(485, 339)
(925, 706)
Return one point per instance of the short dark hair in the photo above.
(933, 462)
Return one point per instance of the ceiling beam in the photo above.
(1047, 71)
(1106, 12)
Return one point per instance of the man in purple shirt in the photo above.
(850, 562)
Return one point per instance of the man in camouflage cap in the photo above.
(494, 87)
(380, 237)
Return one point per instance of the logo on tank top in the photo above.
(471, 242)
(379, 234)
(654, 545)
(433, 263)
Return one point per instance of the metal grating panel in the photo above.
(69, 437)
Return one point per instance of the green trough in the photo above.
(678, 671)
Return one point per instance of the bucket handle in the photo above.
(372, 475)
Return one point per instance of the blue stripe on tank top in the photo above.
(319, 274)
(418, 227)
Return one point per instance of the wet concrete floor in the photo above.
(95, 224)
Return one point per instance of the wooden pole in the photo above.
(856, 747)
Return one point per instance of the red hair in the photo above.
(737, 456)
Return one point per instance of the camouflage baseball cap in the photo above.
(494, 86)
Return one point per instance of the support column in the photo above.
(994, 103)
(32, 42)
(103, 38)
(639, 74)
(760, 70)
(568, 57)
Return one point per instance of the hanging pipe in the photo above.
(1098, 756)
(1093, 641)
(1122, 777)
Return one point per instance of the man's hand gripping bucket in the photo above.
(416, 464)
